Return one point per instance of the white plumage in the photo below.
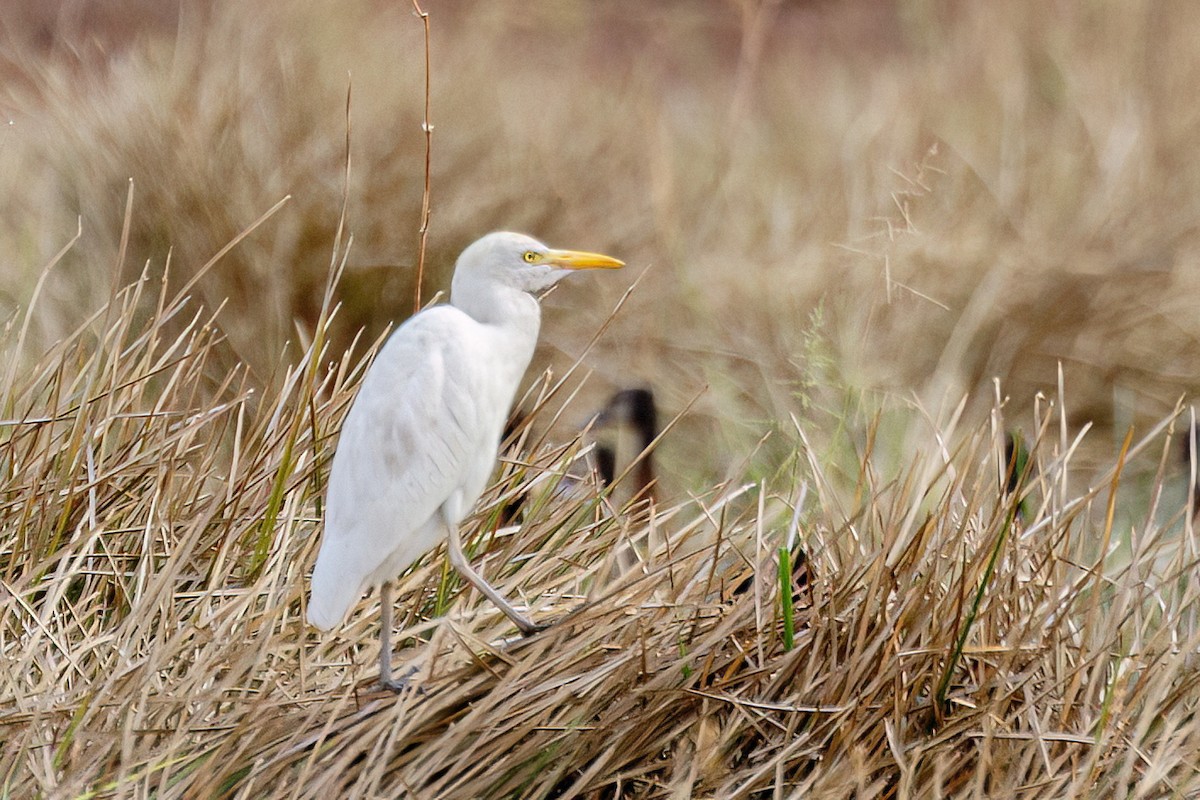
(421, 438)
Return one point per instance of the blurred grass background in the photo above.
(839, 204)
(852, 214)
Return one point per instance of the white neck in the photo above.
(516, 312)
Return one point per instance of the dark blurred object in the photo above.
(625, 430)
(1016, 468)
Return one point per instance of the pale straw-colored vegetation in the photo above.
(876, 238)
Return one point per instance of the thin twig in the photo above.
(428, 128)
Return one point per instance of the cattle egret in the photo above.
(422, 436)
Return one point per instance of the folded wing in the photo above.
(411, 437)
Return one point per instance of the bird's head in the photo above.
(523, 262)
(632, 407)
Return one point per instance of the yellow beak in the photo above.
(574, 259)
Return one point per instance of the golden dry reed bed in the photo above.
(948, 638)
(873, 239)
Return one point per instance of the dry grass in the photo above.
(1055, 222)
(155, 547)
(858, 214)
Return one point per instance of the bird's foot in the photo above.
(530, 628)
(402, 684)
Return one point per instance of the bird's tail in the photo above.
(343, 573)
(331, 597)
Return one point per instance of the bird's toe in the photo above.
(530, 628)
(401, 684)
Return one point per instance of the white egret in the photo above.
(422, 435)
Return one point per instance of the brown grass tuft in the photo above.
(864, 219)
(160, 521)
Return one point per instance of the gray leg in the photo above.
(385, 643)
(459, 561)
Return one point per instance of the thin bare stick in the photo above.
(428, 128)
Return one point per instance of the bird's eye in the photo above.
(530, 257)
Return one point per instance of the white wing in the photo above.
(418, 428)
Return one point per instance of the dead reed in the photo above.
(759, 175)
(960, 628)
(159, 520)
